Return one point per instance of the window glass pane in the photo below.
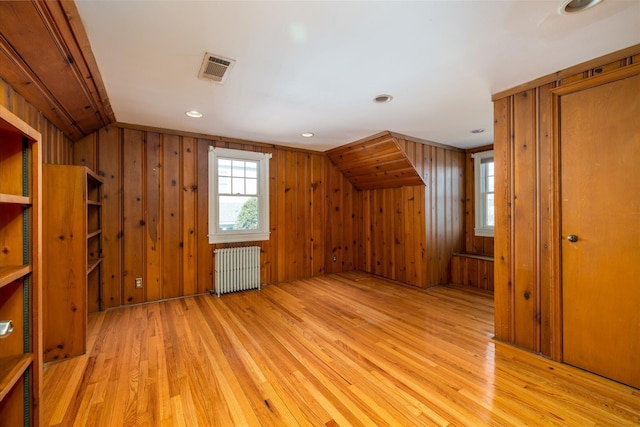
(251, 186)
(224, 185)
(484, 187)
(248, 216)
(229, 208)
(251, 169)
(238, 213)
(224, 167)
(486, 171)
(489, 211)
(238, 168)
(237, 186)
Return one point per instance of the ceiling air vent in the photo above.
(215, 67)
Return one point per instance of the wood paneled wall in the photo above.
(155, 213)
(57, 148)
(472, 270)
(473, 244)
(525, 182)
(408, 234)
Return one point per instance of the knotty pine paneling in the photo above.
(153, 218)
(133, 216)
(545, 212)
(409, 233)
(526, 310)
(472, 270)
(173, 212)
(156, 213)
(524, 199)
(110, 154)
(473, 244)
(525, 204)
(503, 286)
(156, 196)
(189, 181)
(375, 162)
(340, 233)
(57, 148)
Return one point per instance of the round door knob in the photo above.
(572, 238)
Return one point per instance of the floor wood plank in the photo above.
(336, 350)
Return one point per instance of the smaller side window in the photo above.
(484, 183)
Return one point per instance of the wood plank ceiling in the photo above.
(46, 57)
(375, 162)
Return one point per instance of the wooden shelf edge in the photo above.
(92, 264)
(14, 199)
(474, 256)
(17, 124)
(94, 176)
(94, 203)
(11, 370)
(11, 273)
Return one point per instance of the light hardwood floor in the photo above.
(347, 349)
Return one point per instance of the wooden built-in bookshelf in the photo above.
(20, 271)
(73, 252)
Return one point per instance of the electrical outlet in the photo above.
(138, 282)
(335, 258)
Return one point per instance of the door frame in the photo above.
(556, 315)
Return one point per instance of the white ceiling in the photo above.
(315, 66)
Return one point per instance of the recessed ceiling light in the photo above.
(381, 99)
(193, 113)
(307, 134)
(573, 6)
(477, 131)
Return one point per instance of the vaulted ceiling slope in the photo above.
(379, 161)
(45, 56)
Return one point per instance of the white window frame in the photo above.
(481, 227)
(216, 235)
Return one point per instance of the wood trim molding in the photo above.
(424, 141)
(620, 55)
(213, 138)
(597, 80)
(34, 90)
(57, 20)
(50, 63)
(555, 314)
(82, 40)
(480, 149)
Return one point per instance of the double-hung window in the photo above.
(238, 195)
(484, 182)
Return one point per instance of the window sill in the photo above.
(239, 238)
(483, 232)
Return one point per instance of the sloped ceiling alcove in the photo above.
(376, 162)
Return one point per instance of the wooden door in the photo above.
(600, 193)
